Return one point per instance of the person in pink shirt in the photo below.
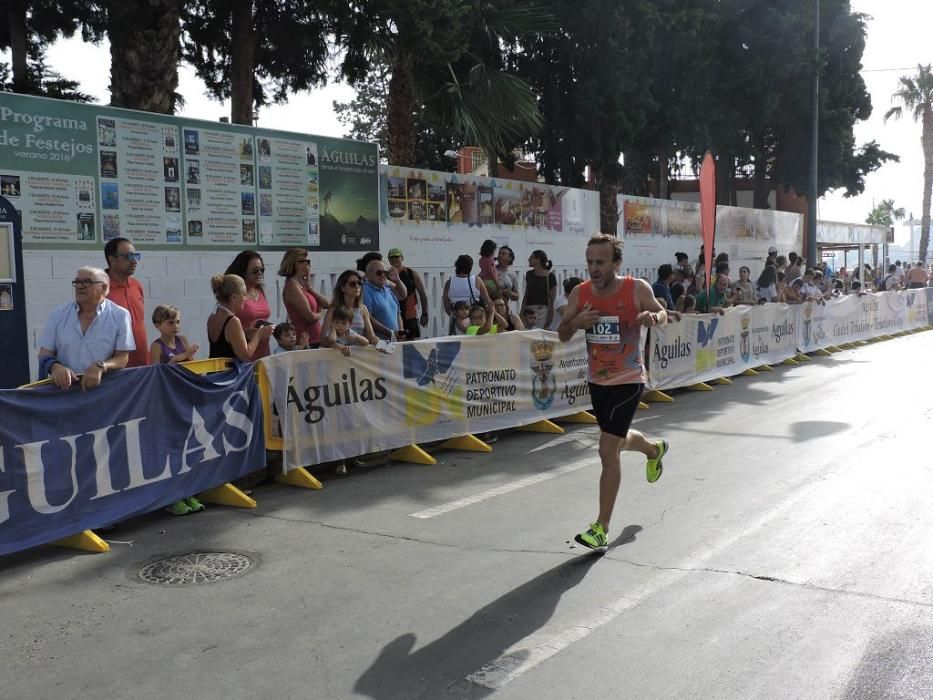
(487, 265)
(255, 312)
(305, 306)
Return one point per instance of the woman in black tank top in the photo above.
(228, 338)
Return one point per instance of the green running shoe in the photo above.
(179, 508)
(594, 538)
(194, 504)
(654, 467)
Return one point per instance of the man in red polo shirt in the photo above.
(127, 292)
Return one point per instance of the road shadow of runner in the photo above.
(440, 668)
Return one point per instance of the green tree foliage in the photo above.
(844, 101)
(446, 56)
(27, 29)
(916, 95)
(662, 81)
(365, 120)
(256, 51)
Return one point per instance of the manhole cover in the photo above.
(195, 568)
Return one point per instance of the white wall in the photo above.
(182, 279)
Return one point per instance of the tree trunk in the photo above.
(400, 120)
(16, 17)
(926, 141)
(608, 180)
(664, 190)
(145, 47)
(242, 62)
(761, 183)
(492, 164)
(635, 175)
(725, 179)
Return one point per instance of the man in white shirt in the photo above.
(89, 336)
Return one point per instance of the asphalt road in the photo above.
(787, 552)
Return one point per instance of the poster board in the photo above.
(655, 229)
(7, 253)
(81, 174)
(434, 216)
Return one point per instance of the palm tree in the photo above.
(916, 93)
(145, 49)
(885, 214)
(446, 58)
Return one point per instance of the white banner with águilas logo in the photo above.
(917, 311)
(333, 407)
(702, 347)
(855, 317)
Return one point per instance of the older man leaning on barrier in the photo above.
(89, 336)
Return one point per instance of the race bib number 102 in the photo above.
(605, 331)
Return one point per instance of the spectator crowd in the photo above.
(384, 301)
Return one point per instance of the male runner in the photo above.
(612, 310)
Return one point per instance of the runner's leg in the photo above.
(636, 441)
(611, 477)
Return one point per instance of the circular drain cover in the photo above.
(195, 568)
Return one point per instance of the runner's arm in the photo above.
(651, 313)
(575, 318)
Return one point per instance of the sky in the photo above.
(897, 41)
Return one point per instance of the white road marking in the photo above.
(501, 490)
(536, 648)
(585, 436)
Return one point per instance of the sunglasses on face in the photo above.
(352, 283)
(84, 284)
(130, 256)
(258, 270)
(304, 260)
(380, 273)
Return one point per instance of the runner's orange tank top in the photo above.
(614, 343)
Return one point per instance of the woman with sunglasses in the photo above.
(304, 304)
(348, 293)
(255, 312)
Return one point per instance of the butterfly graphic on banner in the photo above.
(706, 332)
(424, 370)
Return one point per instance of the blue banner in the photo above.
(145, 438)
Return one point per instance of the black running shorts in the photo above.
(615, 406)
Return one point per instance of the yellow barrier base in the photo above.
(468, 443)
(800, 357)
(861, 343)
(790, 361)
(722, 381)
(749, 373)
(833, 348)
(700, 386)
(227, 495)
(412, 454)
(214, 364)
(887, 337)
(541, 426)
(642, 405)
(86, 541)
(823, 352)
(655, 396)
(299, 477)
(764, 368)
(584, 417)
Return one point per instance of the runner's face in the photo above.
(601, 266)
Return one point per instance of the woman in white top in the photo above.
(560, 303)
(463, 287)
(508, 279)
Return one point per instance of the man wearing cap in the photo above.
(413, 283)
